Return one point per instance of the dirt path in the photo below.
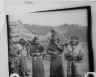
(47, 68)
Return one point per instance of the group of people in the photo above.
(73, 53)
(18, 55)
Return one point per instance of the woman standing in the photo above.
(55, 50)
(74, 55)
(37, 62)
(23, 57)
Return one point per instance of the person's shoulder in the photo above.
(67, 44)
(80, 45)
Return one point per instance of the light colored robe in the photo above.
(71, 65)
(23, 58)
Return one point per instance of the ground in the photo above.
(47, 67)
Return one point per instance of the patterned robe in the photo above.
(56, 67)
(23, 58)
(72, 64)
(37, 62)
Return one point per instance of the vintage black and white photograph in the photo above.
(48, 44)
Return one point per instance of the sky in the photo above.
(52, 18)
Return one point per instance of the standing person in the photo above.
(23, 57)
(12, 58)
(28, 50)
(74, 55)
(55, 50)
(37, 62)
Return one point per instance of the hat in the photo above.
(75, 37)
(53, 33)
(22, 41)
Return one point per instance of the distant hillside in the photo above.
(65, 29)
(81, 32)
(37, 29)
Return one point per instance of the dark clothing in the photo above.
(56, 67)
(38, 68)
(36, 48)
(37, 62)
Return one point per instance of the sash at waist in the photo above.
(56, 56)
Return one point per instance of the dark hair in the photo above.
(75, 37)
(34, 40)
(18, 52)
(22, 41)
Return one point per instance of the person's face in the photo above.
(36, 40)
(74, 41)
(55, 38)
